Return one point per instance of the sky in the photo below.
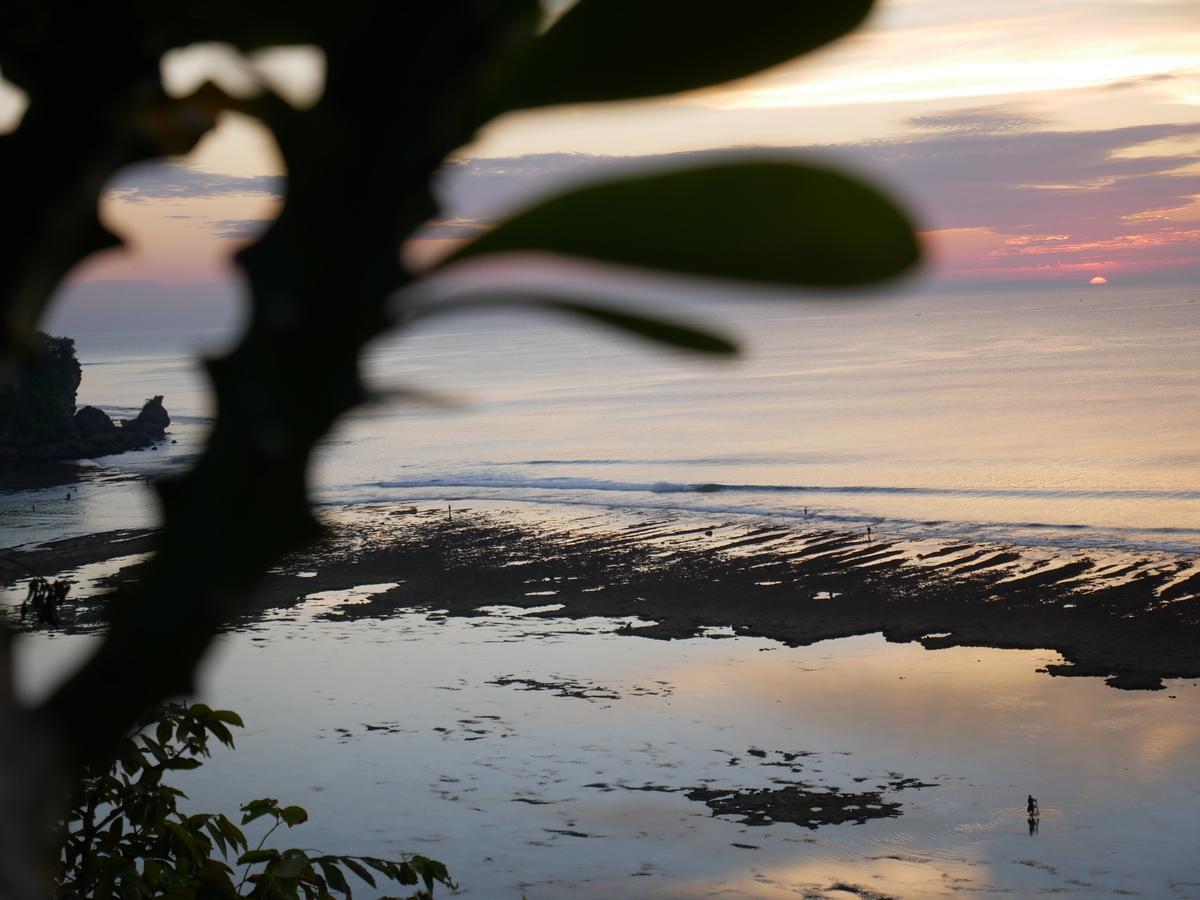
(1034, 143)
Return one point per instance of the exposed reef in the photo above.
(1132, 619)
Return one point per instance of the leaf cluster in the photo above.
(126, 837)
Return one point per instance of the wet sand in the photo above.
(1131, 619)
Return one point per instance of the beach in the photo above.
(816, 710)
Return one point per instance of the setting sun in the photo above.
(1099, 279)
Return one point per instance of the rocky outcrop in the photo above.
(152, 421)
(39, 422)
(92, 423)
(37, 404)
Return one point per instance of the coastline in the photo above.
(1132, 619)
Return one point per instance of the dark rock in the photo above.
(152, 421)
(38, 402)
(92, 422)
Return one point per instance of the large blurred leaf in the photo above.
(668, 332)
(619, 49)
(774, 222)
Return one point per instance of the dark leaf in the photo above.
(229, 717)
(257, 808)
(619, 49)
(430, 871)
(221, 732)
(671, 333)
(775, 222)
(258, 856)
(358, 869)
(293, 815)
(334, 876)
(232, 833)
(181, 763)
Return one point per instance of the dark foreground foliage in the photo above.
(127, 838)
(406, 86)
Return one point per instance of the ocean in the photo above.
(1066, 417)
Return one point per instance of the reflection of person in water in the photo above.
(1033, 822)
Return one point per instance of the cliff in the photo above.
(39, 422)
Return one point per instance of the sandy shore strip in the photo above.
(1133, 619)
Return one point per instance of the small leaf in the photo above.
(358, 869)
(258, 856)
(671, 333)
(430, 871)
(221, 732)
(293, 815)
(232, 833)
(619, 49)
(257, 808)
(334, 876)
(215, 831)
(229, 717)
(775, 222)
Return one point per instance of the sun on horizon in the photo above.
(1099, 279)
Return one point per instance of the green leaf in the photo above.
(163, 731)
(430, 871)
(215, 831)
(293, 815)
(232, 833)
(620, 49)
(258, 856)
(221, 732)
(267, 806)
(774, 222)
(679, 335)
(334, 876)
(358, 869)
(229, 717)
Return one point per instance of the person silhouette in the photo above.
(1031, 807)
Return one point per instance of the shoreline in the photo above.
(1133, 620)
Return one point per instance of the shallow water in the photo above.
(515, 748)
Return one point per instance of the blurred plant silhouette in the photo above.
(125, 835)
(406, 84)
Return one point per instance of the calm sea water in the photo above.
(1067, 417)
